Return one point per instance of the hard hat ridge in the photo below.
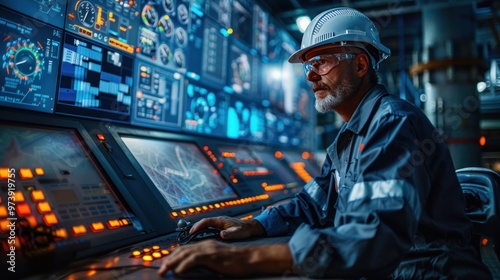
(346, 27)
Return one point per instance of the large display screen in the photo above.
(179, 170)
(158, 99)
(96, 81)
(30, 58)
(112, 23)
(48, 11)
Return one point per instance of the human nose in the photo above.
(313, 76)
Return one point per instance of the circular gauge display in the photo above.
(86, 13)
(166, 26)
(168, 5)
(25, 62)
(181, 36)
(183, 14)
(199, 107)
(149, 15)
(180, 59)
(164, 53)
(24, 59)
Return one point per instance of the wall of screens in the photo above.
(215, 68)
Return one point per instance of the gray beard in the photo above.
(335, 98)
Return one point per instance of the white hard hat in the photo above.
(345, 27)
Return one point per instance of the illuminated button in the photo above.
(43, 207)
(78, 230)
(23, 209)
(97, 227)
(156, 255)
(183, 212)
(4, 173)
(146, 250)
(125, 222)
(25, 174)
(204, 207)
(217, 205)
(136, 254)
(191, 210)
(198, 209)
(100, 137)
(19, 196)
(174, 215)
(32, 221)
(37, 195)
(112, 224)
(3, 211)
(4, 225)
(147, 258)
(165, 252)
(50, 219)
(39, 171)
(155, 248)
(60, 233)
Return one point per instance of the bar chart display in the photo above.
(95, 81)
(30, 55)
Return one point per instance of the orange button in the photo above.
(157, 255)
(3, 211)
(50, 219)
(136, 254)
(174, 214)
(23, 209)
(112, 224)
(125, 222)
(78, 230)
(4, 225)
(19, 196)
(37, 195)
(39, 171)
(96, 227)
(25, 174)
(60, 233)
(43, 207)
(4, 173)
(32, 221)
(147, 258)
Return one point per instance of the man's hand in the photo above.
(229, 260)
(231, 228)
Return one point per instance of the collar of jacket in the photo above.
(366, 108)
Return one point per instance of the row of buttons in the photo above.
(231, 203)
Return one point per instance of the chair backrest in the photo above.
(481, 188)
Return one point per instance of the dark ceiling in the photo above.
(399, 22)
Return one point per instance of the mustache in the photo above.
(319, 86)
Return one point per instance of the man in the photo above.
(387, 203)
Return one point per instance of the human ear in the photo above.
(362, 63)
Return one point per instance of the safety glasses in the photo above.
(322, 64)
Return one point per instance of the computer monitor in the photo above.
(179, 170)
(158, 101)
(30, 62)
(111, 23)
(96, 81)
(51, 12)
